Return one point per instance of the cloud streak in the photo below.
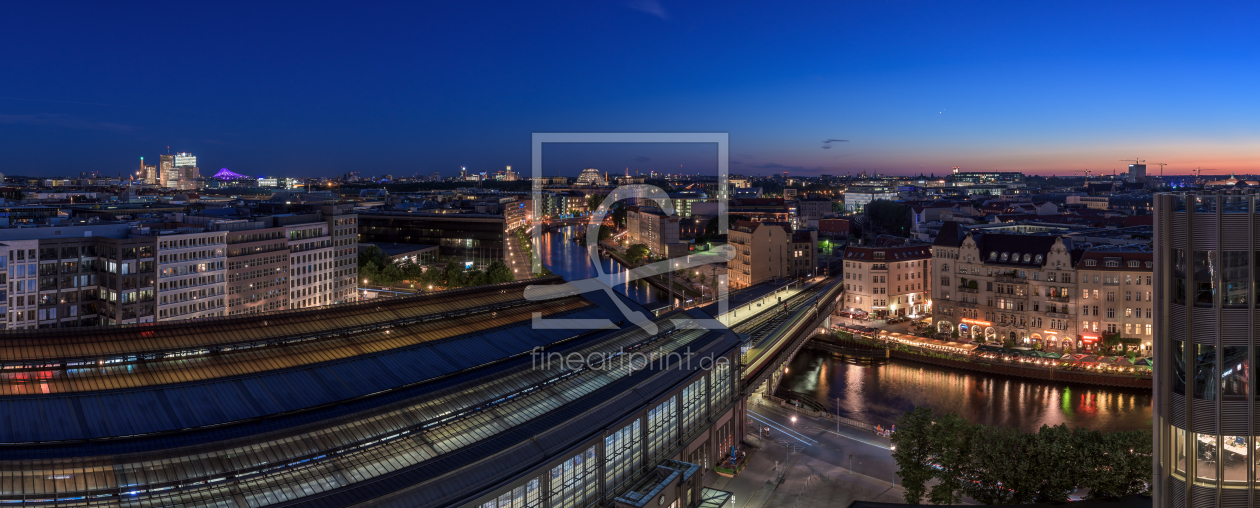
(652, 7)
(63, 122)
(827, 143)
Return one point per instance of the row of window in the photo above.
(184, 243)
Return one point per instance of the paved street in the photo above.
(814, 461)
(819, 465)
(516, 258)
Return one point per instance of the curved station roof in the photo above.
(329, 406)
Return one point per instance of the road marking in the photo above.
(858, 439)
(876, 444)
(789, 432)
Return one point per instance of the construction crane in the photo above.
(1199, 174)
(1135, 160)
(1086, 172)
(1161, 167)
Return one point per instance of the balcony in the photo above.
(1058, 315)
(1009, 279)
(1063, 299)
(968, 305)
(964, 289)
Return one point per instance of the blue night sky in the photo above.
(313, 89)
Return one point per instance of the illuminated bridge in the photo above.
(435, 400)
(776, 337)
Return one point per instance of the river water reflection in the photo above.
(879, 394)
(568, 259)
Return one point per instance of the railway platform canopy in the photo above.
(323, 407)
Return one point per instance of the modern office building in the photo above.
(311, 259)
(981, 177)
(471, 237)
(166, 170)
(649, 226)
(343, 226)
(192, 273)
(257, 270)
(1136, 174)
(179, 171)
(1206, 414)
(856, 197)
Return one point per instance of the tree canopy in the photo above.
(637, 253)
(884, 216)
(1002, 465)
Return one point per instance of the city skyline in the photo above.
(915, 88)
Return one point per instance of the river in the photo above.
(568, 259)
(880, 393)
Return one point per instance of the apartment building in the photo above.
(811, 209)
(803, 253)
(311, 257)
(1007, 288)
(885, 281)
(192, 273)
(762, 250)
(650, 226)
(1117, 296)
(258, 270)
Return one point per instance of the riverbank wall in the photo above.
(653, 280)
(1043, 374)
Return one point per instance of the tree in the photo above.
(637, 253)
(884, 216)
(372, 254)
(619, 214)
(951, 439)
(1002, 465)
(499, 272)
(593, 201)
(1054, 448)
(913, 451)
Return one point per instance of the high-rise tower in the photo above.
(1206, 407)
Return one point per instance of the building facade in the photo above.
(762, 250)
(856, 197)
(463, 236)
(888, 281)
(1007, 289)
(803, 253)
(1117, 296)
(192, 275)
(811, 209)
(659, 232)
(311, 257)
(1206, 416)
(345, 237)
(257, 270)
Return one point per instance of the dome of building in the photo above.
(591, 176)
